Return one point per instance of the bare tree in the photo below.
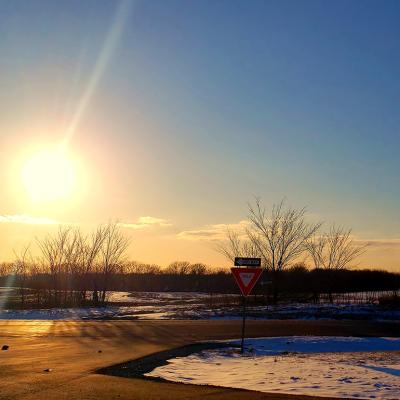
(6, 268)
(38, 285)
(333, 251)
(178, 268)
(280, 237)
(237, 246)
(54, 250)
(134, 267)
(21, 270)
(198, 269)
(112, 250)
(89, 253)
(70, 255)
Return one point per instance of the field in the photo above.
(193, 306)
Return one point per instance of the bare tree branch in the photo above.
(280, 237)
(334, 250)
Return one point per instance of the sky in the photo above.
(174, 114)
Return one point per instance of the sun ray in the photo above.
(103, 59)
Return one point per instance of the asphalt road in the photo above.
(59, 359)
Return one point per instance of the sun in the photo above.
(49, 175)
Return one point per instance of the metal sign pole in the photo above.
(246, 278)
(243, 323)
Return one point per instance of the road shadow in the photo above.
(139, 367)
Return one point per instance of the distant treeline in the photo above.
(296, 283)
(77, 269)
(183, 276)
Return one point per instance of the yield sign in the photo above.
(246, 278)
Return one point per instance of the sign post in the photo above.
(246, 278)
(243, 323)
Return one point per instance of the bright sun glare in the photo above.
(49, 175)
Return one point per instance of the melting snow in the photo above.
(192, 305)
(363, 368)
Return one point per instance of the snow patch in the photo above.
(362, 368)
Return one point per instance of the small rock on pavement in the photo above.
(100, 351)
(5, 347)
(48, 370)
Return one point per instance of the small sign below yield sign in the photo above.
(246, 278)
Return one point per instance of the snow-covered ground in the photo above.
(188, 311)
(156, 297)
(192, 305)
(343, 367)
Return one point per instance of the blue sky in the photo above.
(200, 105)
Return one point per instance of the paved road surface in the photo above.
(71, 350)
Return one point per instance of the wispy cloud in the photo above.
(379, 242)
(214, 232)
(146, 222)
(26, 219)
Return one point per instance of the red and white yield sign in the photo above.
(246, 278)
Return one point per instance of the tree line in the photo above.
(74, 268)
(296, 283)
